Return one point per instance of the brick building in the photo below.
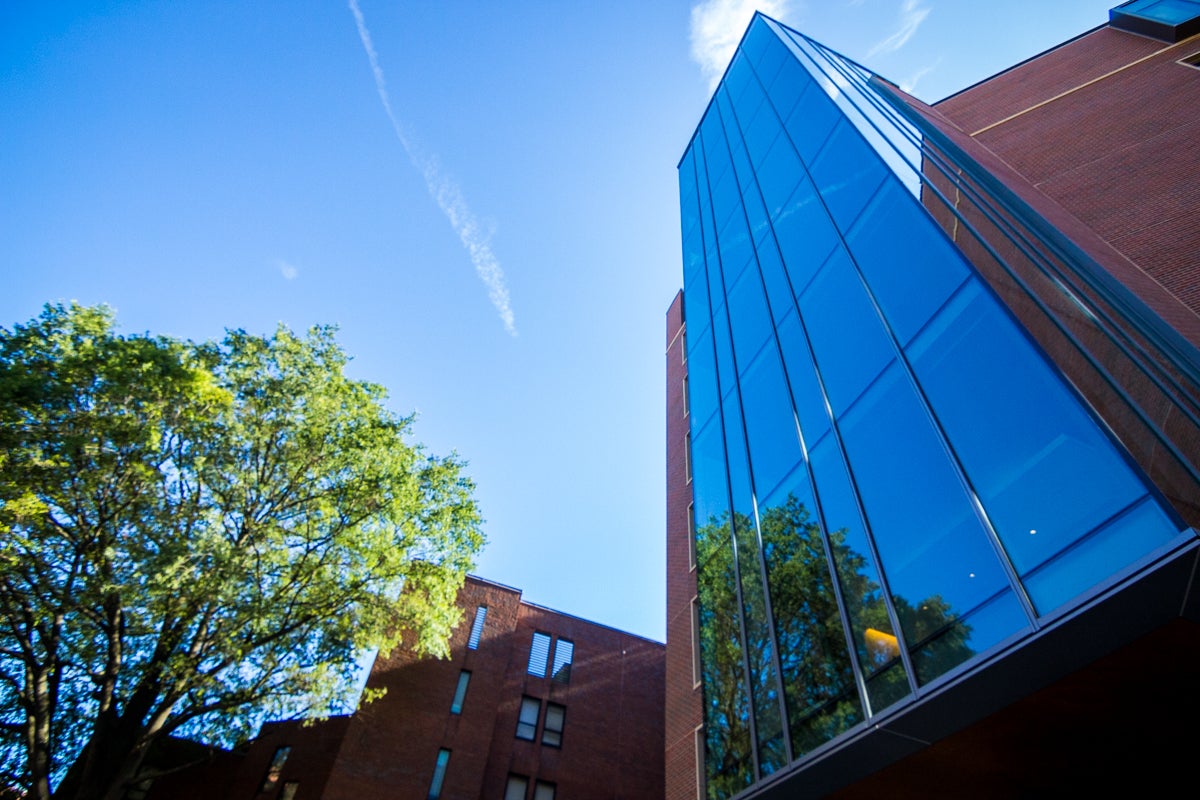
(532, 704)
(918, 350)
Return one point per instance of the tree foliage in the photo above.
(193, 536)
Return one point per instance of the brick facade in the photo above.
(611, 740)
(683, 701)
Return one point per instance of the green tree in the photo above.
(194, 536)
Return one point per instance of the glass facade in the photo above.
(890, 475)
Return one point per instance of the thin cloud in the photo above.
(717, 27)
(445, 192)
(910, 83)
(287, 270)
(912, 14)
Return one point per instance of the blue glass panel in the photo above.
(935, 552)
(908, 262)
(740, 493)
(785, 90)
(712, 139)
(756, 213)
(750, 318)
(1043, 469)
(709, 488)
(1124, 540)
(847, 337)
(874, 635)
(741, 161)
(811, 121)
(767, 54)
(778, 172)
(818, 677)
(726, 373)
(806, 236)
(702, 376)
(810, 403)
(695, 296)
(779, 291)
(770, 422)
(735, 248)
(761, 129)
(727, 746)
(846, 172)
(726, 196)
(939, 641)
(738, 77)
(1172, 12)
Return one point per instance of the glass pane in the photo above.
(907, 261)
(811, 121)
(516, 787)
(846, 172)
(806, 236)
(543, 791)
(817, 675)
(728, 762)
(935, 552)
(1043, 469)
(847, 336)
(806, 392)
(874, 635)
(539, 654)
(564, 652)
(770, 422)
(709, 488)
(748, 317)
(460, 692)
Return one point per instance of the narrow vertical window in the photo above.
(691, 535)
(695, 642)
(564, 651)
(543, 791)
(289, 791)
(539, 654)
(528, 718)
(477, 628)
(516, 787)
(460, 692)
(687, 457)
(275, 768)
(439, 774)
(552, 730)
(699, 762)
(686, 401)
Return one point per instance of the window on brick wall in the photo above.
(516, 787)
(460, 692)
(691, 535)
(543, 791)
(289, 791)
(528, 718)
(1192, 61)
(271, 779)
(564, 652)
(539, 654)
(477, 628)
(695, 642)
(552, 728)
(439, 774)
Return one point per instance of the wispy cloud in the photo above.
(912, 14)
(910, 83)
(287, 270)
(445, 192)
(717, 27)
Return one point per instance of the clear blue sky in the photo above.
(498, 241)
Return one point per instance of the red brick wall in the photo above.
(1108, 126)
(683, 702)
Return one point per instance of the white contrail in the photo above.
(445, 193)
(912, 14)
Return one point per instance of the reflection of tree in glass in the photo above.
(817, 676)
(727, 758)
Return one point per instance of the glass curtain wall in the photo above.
(889, 476)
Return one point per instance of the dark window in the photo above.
(564, 651)
(271, 779)
(477, 628)
(539, 654)
(289, 791)
(460, 692)
(439, 774)
(527, 721)
(516, 787)
(552, 730)
(543, 791)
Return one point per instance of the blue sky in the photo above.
(480, 194)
